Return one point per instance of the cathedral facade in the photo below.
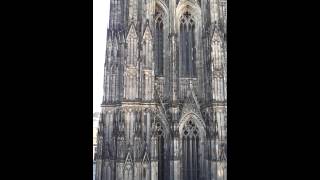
(164, 109)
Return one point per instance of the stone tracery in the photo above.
(164, 104)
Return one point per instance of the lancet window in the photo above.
(190, 151)
(161, 151)
(187, 46)
(159, 37)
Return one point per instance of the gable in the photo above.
(132, 32)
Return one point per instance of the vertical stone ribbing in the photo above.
(136, 97)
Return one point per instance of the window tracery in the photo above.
(190, 151)
(187, 45)
(159, 42)
(159, 133)
(190, 129)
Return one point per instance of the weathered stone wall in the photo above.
(143, 124)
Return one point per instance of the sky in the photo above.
(100, 24)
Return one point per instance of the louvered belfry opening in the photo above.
(187, 46)
(190, 151)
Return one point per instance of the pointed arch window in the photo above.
(160, 150)
(144, 173)
(159, 44)
(190, 151)
(187, 46)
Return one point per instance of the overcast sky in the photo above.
(100, 24)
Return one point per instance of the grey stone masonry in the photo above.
(164, 109)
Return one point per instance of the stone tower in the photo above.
(164, 110)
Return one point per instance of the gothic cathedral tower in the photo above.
(164, 110)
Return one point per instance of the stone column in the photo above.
(119, 171)
(173, 49)
(220, 172)
(109, 170)
(148, 128)
(176, 159)
(214, 10)
(137, 171)
(202, 173)
(147, 170)
(154, 170)
(177, 170)
(98, 169)
(213, 170)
